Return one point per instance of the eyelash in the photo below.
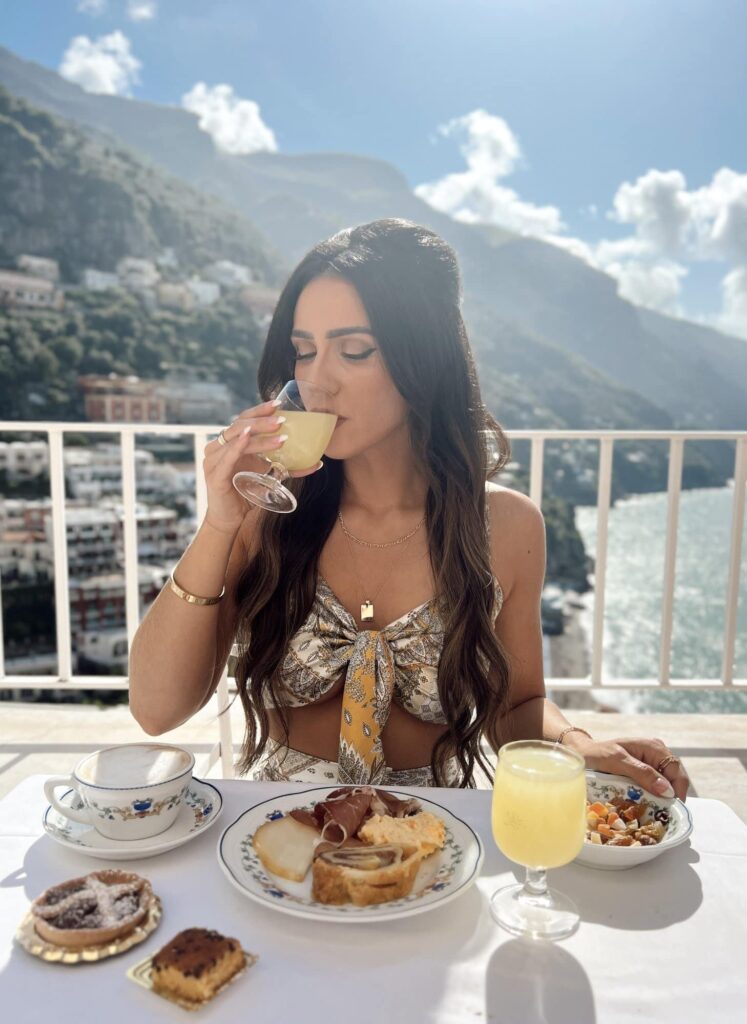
(346, 355)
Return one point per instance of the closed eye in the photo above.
(354, 357)
(359, 355)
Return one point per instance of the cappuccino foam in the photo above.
(143, 764)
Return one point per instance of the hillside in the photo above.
(541, 290)
(87, 202)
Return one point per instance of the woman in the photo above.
(392, 621)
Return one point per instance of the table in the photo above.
(661, 942)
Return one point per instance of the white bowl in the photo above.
(603, 786)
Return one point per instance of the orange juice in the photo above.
(308, 436)
(539, 807)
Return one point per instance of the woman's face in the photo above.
(348, 363)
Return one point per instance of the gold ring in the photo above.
(222, 438)
(669, 759)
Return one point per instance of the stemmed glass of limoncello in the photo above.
(309, 424)
(539, 820)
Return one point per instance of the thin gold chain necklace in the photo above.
(367, 607)
(370, 544)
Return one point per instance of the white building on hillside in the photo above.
(23, 460)
(228, 274)
(137, 274)
(17, 289)
(99, 280)
(39, 266)
(206, 293)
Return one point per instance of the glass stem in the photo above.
(535, 884)
(276, 470)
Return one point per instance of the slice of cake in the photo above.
(195, 963)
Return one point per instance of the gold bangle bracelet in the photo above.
(572, 728)
(193, 598)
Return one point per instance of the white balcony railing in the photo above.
(67, 679)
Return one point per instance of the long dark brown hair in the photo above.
(408, 280)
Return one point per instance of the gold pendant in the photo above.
(367, 611)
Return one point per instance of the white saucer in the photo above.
(200, 809)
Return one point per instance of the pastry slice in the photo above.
(365, 875)
(195, 963)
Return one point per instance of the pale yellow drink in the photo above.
(539, 807)
(308, 436)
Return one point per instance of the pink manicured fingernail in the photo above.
(663, 788)
(246, 430)
(280, 419)
(280, 440)
(277, 401)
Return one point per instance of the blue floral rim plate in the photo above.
(442, 877)
(201, 807)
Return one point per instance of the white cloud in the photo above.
(672, 227)
(235, 125)
(733, 316)
(91, 6)
(657, 205)
(491, 152)
(104, 65)
(141, 10)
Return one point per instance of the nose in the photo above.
(322, 374)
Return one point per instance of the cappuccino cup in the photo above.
(128, 791)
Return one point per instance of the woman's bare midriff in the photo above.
(315, 729)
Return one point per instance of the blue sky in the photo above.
(541, 115)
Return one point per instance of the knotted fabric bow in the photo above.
(366, 702)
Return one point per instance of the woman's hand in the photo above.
(245, 438)
(637, 759)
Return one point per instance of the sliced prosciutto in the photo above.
(342, 813)
(339, 817)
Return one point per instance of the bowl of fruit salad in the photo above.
(626, 825)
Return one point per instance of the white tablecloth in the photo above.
(663, 942)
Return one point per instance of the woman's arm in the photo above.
(179, 650)
(518, 525)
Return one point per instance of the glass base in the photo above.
(264, 490)
(548, 916)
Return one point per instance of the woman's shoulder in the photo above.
(513, 517)
(509, 506)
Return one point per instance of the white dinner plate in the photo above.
(200, 809)
(442, 877)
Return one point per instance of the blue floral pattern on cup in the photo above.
(201, 806)
(143, 808)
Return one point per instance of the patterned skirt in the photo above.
(285, 764)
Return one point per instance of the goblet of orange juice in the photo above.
(539, 820)
(309, 424)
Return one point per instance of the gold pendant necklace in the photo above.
(367, 607)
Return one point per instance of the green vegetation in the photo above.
(42, 354)
(87, 201)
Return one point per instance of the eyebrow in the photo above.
(338, 332)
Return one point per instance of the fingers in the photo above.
(651, 752)
(647, 776)
(248, 443)
(241, 426)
